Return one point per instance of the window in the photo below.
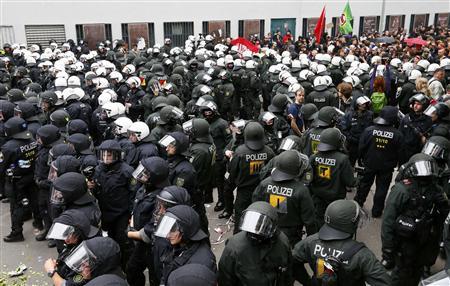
(283, 25)
(178, 32)
(7, 35)
(309, 24)
(418, 20)
(249, 28)
(131, 32)
(42, 34)
(394, 22)
(442, 20)
(93, 33)
(369, 24)
(218, 29)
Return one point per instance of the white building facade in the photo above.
(33, 21)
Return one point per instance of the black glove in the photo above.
(388, 259)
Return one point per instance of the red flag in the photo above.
(320, 26)
(244, 44)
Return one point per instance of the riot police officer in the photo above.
(332, 171)
(260, 254)
(283, 190)
(412, 221)
(334, 256)
(152, 173)
(114, 190)
(139, 135)
(245, 165)
(382, 140)
(47, 137)
(327, 117)
(169, 116)
(30, 113)
(17, 161)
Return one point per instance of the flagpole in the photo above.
(383, 12)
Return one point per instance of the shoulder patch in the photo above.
(77, 278)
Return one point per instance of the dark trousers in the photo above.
(228, 197)
(43, 204)
(18, 191)
(117, 230)
(140, 259)
(320, 205)
(219, 178)
(382, 181)
(243, 200)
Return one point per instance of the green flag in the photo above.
(345, 25)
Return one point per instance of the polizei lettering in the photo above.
(321, 251)
(384, 134)
(28, 147)
(282, 191)
(314, 136)
(256, 157)
(326, 161)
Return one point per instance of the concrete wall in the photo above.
(19, 13)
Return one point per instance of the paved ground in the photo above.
(33, 253)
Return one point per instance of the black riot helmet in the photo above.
(290, 142)
(3, 91)
(388, 116)
(184, 219)
(157, 69)
(254, 136)
(279, 103)
(420, 98)
(15, 95)
(27, 111)
(331, 139)
(260, 221)
(48, 134)
(59, 118)
(109, 152)
(177, 139)
(49, 97)
(437, 147)
(152, 171)
(159, 102)
(327, 116)
(287, 166)
(440, 110)
(77, 126)
(169, 115)
(198, 129)
(59, 150)
(71, 188)
(63, 164)
(342, 218)
(419, 166)
(173, 195)
(192, 274)
(17, 128)
(309, 111)
(81, 143)
(6, 110)
(34, 87)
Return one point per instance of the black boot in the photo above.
(14, 237)
(225, 214)
(219, 207)
(42, 235)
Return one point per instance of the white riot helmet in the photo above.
(30, 61)
(133, 81)
(286, 54)
(69, 94)
(350, 58)
(321, 69)
(432, 68)
(250, 64)
(113, 109)
(376, 60)
(415, 74)
(140, 129)
(122, 124)
(101, 71)
(364, 67)
(337, 61)
(293, 88)
(284, 75)
(423, 64)
(407, 68)
(129, 69)
(286, 61)
(62, 74)
(74, 81)
(444, 62)
(60, 83)
(320, 81)
(396, 62)
(296, 64)
(116, 75)
(104, 98)
(221, 62)
(326, 59)
(102, 83)
(305, 74)
(247, 55)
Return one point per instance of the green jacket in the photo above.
(362, 267)
(246, 263)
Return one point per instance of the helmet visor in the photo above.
(423, 169)
(430, 110)
(56, 197)
(257, 223)
(200, 102)
(187, 126)
(60, 231)
(178, 113)
(433, 150)
(53, 173)
(166, 141)
(167, 225)
(81, 258)
(288, 144)
(109, 156)
(141, 174)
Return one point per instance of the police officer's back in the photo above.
(334, 256)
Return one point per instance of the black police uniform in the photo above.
(413, 127)
(17, 162)
(379, 141)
